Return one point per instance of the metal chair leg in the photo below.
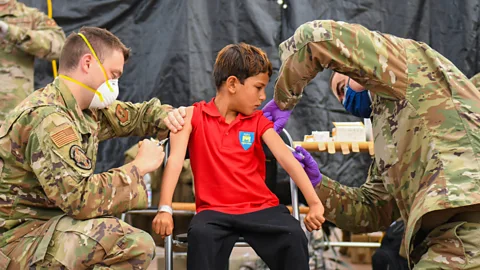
(168, 253)
(294, 194)
(169, 239)
(293, 186)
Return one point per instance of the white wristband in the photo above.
(165, 208)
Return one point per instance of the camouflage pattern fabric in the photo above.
(184, 191)
(426, 117)
(30, 34)
(48, 151)
(454, 245)
(476, 80)
(78, 244)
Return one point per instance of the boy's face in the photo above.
(250, 95)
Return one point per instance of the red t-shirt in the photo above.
(228, 161)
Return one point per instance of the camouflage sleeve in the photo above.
(368, 208)
(123, 119)
(375, 60)
(45, 40)
(476, 80)
(64, 167)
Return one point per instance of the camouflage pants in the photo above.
(454, 245)
(100, 243)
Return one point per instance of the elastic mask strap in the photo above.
(83, 85)
(98, 60)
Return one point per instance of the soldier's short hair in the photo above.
(102, 41)
(242, 61)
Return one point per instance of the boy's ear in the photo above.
(231, 84)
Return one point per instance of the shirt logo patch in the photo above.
(246, 139)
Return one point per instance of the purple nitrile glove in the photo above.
(309, 165)
(273, 113)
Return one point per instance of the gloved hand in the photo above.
(3, 29)
(273, 113)
(309, 165)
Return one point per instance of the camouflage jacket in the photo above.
(48, 150)
(476, 80)
(30, 34)
(426, 117)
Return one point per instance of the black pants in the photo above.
(273, 233)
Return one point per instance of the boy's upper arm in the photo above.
(269, 137)
(275, 143)
(179, 140)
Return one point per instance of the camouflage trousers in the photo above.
(100, 243)
(454, 245)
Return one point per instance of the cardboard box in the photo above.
(362, 255)
(349, 132)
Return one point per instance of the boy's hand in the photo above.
(163, 224)
(314, 218)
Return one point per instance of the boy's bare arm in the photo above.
(295, 170)
(178, 148)
(288, 162)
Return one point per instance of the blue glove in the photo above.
(273, 113)
(309, 165)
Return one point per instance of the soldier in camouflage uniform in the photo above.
(426, 117)
(25, 33)
(184, 192)
(476, 80)
(54, 211)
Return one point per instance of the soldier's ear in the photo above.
(86, 62)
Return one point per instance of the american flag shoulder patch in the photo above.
(63, 136)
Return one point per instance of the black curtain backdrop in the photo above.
(174, 44)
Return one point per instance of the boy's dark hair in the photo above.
(242, 61)
(102, 41)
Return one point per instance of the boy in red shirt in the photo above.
(224, 138)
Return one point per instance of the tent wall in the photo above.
(174, 43)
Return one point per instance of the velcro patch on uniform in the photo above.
(59, 121)
(81, 160)
(63, 136)
(122, 114)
